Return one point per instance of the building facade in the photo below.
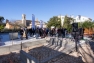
(78, 18)
(62, 19)
(24, 22)
(10, 25)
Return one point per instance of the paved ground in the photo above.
(67, 52)
(17, 47)
(85, 50)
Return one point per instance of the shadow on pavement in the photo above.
(48, 55)
(86, 51)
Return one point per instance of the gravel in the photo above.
(43, 53)
(10, 58)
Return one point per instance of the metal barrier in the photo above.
(13, 36)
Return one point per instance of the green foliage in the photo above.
(67, 23)
(54, 21)
(92, 24)
(1, 19)
(1, 27)
(10, 30)
(87, 24)
(69, 28)
(80, 24)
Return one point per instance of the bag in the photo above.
(24, 35)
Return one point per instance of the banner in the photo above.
(33, 21)
(41, 24)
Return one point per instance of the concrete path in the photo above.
(17, 47)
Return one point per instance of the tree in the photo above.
(88, 25)
(80, 24)
(93, 26)
(54, 21)
(67, 23)
(1, 19)
(1, 27)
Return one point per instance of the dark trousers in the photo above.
(59, 35)
(21, 37)
(30, 34)
(26, 36)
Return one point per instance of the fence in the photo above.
(13, 35)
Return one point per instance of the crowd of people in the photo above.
(42, 32)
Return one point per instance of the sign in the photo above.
(41, 24)
(33, 21)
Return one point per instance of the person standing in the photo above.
(44, 33)
(37, 33)
(21, 33)
(59, 32)
(26, 32)
(30, 32)
(40, 32)
(33, 31)
(47, 30)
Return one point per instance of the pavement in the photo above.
(85, 49)
(17, 47)
(67, 46)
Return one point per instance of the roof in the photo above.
(27, 22)
(11, 23)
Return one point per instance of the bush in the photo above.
(10, 30)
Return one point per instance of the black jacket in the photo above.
(21, 32)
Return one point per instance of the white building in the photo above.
(24, 19)
(78, 18)
(62, 19)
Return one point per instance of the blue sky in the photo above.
(45, 9)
